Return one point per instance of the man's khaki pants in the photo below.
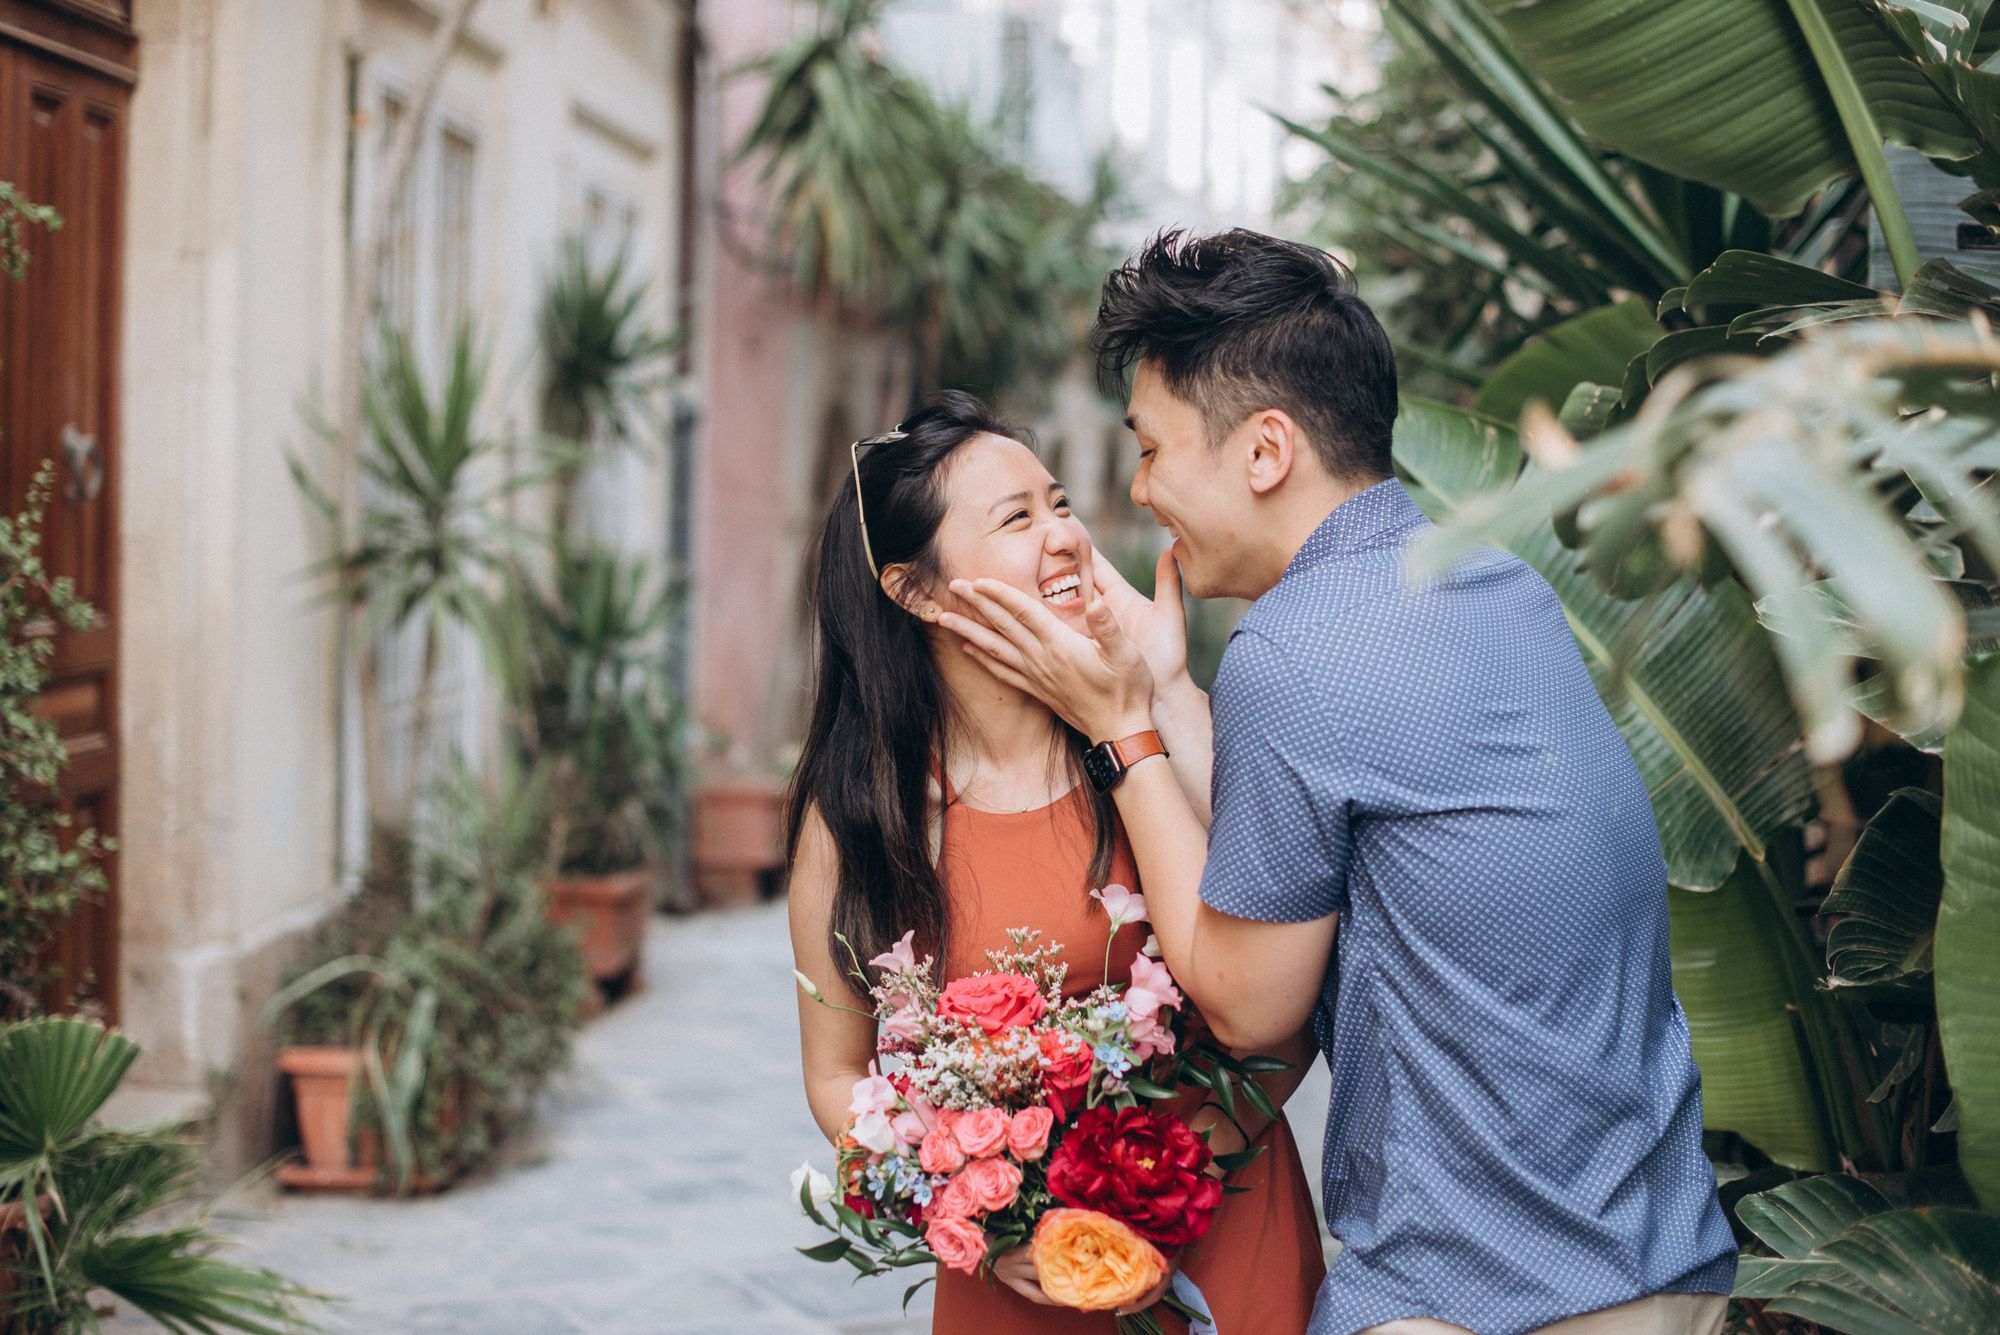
(1661, 1314)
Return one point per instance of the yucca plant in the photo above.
(55, 1075)
(604, 361)
(431, 541)
(594, 707)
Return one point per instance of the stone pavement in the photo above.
(650, 1198)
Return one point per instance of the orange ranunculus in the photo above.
(1092, 1262)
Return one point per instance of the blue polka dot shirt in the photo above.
(1515, 1128)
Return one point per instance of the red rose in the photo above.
(861, 1205)
(1139, 1166)
(993, 1001)
(1065, 1072)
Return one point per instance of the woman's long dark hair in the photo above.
(880, 713)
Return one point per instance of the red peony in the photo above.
(1139, 1166)
(994, 1001)
(1065, 1072)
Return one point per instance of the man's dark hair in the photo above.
(1239, 322)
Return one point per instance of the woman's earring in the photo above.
(929, 614)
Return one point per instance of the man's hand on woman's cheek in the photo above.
(1099, 682)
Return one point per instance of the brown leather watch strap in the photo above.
(1131, 750)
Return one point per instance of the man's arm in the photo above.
(1254, 981)
(1157, 626)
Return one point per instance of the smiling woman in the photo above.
(936, 799)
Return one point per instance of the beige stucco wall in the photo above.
(233, 293)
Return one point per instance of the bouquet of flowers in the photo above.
(1000, 1112)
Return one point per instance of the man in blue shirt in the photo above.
(1426, 837)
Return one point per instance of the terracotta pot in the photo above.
(739, 835)
(322, 1084)
(610, 913)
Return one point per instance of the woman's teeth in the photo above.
(1065, 592)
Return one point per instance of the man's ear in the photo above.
(907, 592)
(1272, 444)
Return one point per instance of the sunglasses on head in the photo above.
(860, 511)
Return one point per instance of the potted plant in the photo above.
(739, 839)
(60, 1070)
(594, 710)
(603, 364)
(44, 874)
(443, 995)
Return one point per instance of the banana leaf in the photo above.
(1847, 1260)
(1968, 929)
(1736, 984)
(1688, 675)
(1886, 895)
(1593, 347)
(1727, 91)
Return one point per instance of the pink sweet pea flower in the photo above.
(1121, 904)
(903, 1025)
(873, 1094)
(909, 1128)
(899, 958)
(1152, 987)
(873, 1133)
(1149, 1037)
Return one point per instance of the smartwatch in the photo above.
(1105, 764)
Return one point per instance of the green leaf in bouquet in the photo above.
(1229, 1163)
(861, 1261)
(806, 1204)
(1194, 1075)
(1147, 1089)
(831, 1250)
(911, 1292)
(849, 1218)
(1264, 1065)
(1259, 1099)
(909, 1256)
(1225, 1093)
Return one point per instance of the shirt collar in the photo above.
(1355, 523)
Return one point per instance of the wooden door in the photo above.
(65, 85)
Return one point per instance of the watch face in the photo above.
(1101, 767)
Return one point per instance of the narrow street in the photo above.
(650, 1198)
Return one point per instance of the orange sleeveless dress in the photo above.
(1260, 1264)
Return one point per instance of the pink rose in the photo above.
(958, 1243)
(993, 1001)
(992, 1184)
(953, 1200)
(982, 1134)
(941, 1152)
(1028, 1133)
